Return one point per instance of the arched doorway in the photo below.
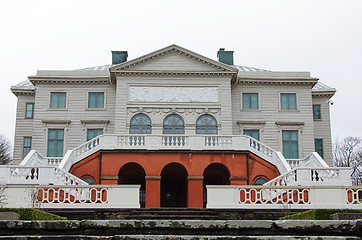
(174, 186)
(133, 173)
(215, 174)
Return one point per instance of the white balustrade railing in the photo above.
(178, 142)
(60, 197)
(297, 197)
(326, 176)
(37, 175)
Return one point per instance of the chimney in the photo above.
(119, 57)
(225, 56)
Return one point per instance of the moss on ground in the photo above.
(319, 214)
(33, 214)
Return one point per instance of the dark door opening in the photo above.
(215, 174)
(174, 186)
(133, 173)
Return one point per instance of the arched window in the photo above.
(260, 181)
(206, 124)
(88, 180)
(140, 124)
(173, 124)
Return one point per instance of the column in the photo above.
(153, 191)
(195, 192)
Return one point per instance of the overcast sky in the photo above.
(322, 37)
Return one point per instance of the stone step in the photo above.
(160, 213)
(175, 237)
(183, 227)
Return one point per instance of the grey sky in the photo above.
(322, 37)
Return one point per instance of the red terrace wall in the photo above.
(244, 168)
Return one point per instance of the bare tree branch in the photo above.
(5, 151)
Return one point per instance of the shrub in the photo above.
(318, 214)
(32, 214)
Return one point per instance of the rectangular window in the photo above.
(317, 112)
(96, 100)
(290, 144)
(92, 133)
(252, 133)
(55, 142)
(318, 143)
(29, 110)
(26, 146)
(58, 99)
(288, 101)
(250, 101)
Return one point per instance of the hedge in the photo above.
(33, 214)
(319, 214)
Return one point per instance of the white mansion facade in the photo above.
(173, 91)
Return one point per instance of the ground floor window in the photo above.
(26, 146)
(252, 133)
(55, 142)
(318, 143)
(290, 144)
(92, 133)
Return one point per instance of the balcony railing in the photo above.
(174, 142)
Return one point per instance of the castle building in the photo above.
(173, 121)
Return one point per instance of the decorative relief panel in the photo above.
(182, 111)
(173, 94)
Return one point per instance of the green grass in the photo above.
(33, 214)
(319, 214)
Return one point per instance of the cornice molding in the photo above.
(279, 81)
(69, 80)
(18, 92)
(167, 73)
(173, 49)
(288, 123)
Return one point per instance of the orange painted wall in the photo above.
(244, 167)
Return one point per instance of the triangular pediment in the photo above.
(173, 59)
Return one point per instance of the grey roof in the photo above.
(26, 85)
(250, 69)
(321, 86)
(95, 68)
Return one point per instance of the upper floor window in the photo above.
(317, 112)
(58, 99)
(252, 133)
(92, 133)
(206, 124)
(173, 124)
(318, 144)
(288, 101)
(96, 100)
(260, 181)
(250, 101)
(26, 146)
(140, 124)
(29, 110)
(290, 144)
(55, 142)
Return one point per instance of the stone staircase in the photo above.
(189, 224)
(173, 213)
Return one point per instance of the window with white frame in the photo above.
(318, 144)
(250, 101)
(92, 133)
(173, 124)
(317, 112)
(254, 133)
(96, 100)
(55, 142)
(290, 144)
(288, 101)
(206, 124)
(140, 124)
(29, 110)
(26, 146)
(58, 100)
